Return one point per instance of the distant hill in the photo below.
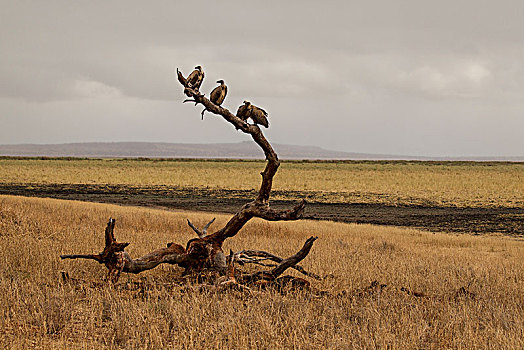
(241, 150)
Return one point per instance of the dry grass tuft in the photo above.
(469, 289)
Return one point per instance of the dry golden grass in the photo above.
(38, 310)
(433, 183)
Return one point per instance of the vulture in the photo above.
(217, 95)
(257, 114)
(242, 112)
(194, 80)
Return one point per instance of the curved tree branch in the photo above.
(199, 233)
(249, 256)
(206, 251)
(265, 212)
(260, 206)
(282, 266)
(117, 260)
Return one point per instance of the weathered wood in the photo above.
(117, 260)
(285, 264)
(81, 256)
(248, 256)
(259, 207)
(201, 233)
(206, 250)
(181, 78)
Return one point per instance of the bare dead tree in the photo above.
(206, 250)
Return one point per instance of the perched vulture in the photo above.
(242, 112)
(194, 80)
(257, 114)
(217, 95)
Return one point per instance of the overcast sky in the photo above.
(433, 78)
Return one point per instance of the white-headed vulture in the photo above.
(257, 114)
(194, 80)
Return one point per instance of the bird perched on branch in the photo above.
(257, 114)
(194, 80)
(217, 95)
(242, 112)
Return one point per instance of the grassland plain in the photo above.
(462, 184)
(39, 310)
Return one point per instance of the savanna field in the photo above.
(383, 286)
(476, 184)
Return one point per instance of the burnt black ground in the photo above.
(504, 220)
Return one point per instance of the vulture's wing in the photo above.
(192, 78)
(224, 94)
(200, 79)
(242, 112)
(215, 95)
(259, 116)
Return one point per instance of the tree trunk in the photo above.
(206, 250)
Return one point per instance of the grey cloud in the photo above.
(132, 46)
(332, 67)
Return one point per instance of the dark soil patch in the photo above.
(432, 218)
